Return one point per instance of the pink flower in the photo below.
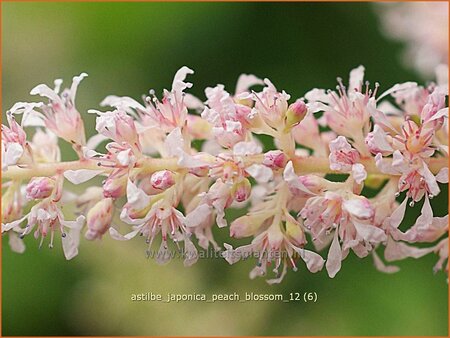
(344, 158)
(165, 219)
(346, 111)
(60, 114)
(229, 116)
(167, 114)
(15, 148)
(40, 187)
(118, 126)
(48, 218)
(350, 216)
(277, 247)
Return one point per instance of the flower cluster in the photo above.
(158, 185)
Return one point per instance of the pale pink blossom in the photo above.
(47, 217)
(60, 114)
(273, 246)
(15, 148)
(346, 159)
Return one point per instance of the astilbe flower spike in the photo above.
(156, 184)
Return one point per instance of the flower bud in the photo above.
(115, 185)
(275, 159)
(162, 179)
(295, 114)
(99, 219)
(242, 190)
(40, 187)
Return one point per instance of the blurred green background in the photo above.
(128, 48)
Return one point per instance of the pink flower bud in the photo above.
(162, 179)
(295, 114)
(298, 108)
(115, 185)
(99, 219)
(242, 190)
(40, 187)
(275, 159)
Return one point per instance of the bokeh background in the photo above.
(128, 48)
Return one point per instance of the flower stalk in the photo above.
(163, 188)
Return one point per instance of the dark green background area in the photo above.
(128, 48)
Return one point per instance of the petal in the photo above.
(334, 258)
(190, 252)
(245, 81)
(430, 180)
(293, 180)
(174, 143)
(356, 79)
(75, 82)
(178, 84)
(397, 216)
(440, 113)
(163, 256)
(119, 237)
(13, 154)
(379, 264)
(95, 140)
(384, 165)
(359, 173)
(197, 216)
(16, 244)
(370, 233)
(359, 207)
(46, 91)
(398, 89)
(192, 102)
(122, 102)
(398, 250)
(442, 175)
(81, 175)
(317, 95)
(260, 173)
(136, 196)
(314, 262)
(71, 241)
(246, 148)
